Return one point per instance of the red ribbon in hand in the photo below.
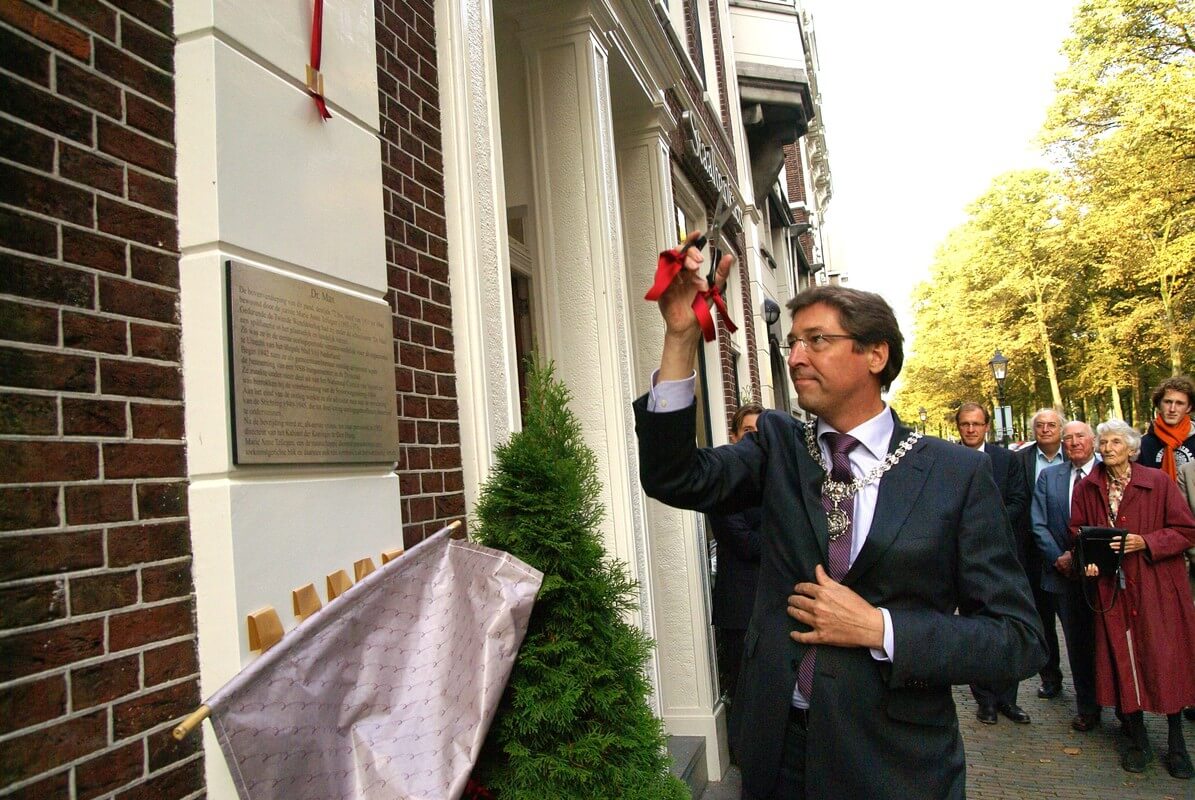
(667, 267)
(315, 87)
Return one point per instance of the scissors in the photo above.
(722, 213)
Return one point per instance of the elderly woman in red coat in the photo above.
(1145, 635)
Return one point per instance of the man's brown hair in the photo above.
(987, 418)
(866, 316)
(1178, 383)
(736, 423)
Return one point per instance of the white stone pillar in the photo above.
(685, 679)
(479, 261)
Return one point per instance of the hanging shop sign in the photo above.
(699, 157)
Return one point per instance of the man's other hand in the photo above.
(837, 615)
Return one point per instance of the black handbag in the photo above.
(1093, 546)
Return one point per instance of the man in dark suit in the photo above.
(1046, 451)
(1051, 515)
(872, 536)
(737, 535)
(973, 423)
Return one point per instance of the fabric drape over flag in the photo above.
(389, 690)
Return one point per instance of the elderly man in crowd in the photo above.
(1051, 513)
(1046, 451)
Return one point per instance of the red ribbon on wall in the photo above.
(667, 267)
(315, 80)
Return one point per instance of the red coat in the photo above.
(1149, 633)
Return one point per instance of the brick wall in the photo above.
(794, 171)
(429, 468)
(97, 630)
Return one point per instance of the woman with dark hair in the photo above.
(1145, 622)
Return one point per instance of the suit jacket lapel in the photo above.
(899, 489)
(811, 479)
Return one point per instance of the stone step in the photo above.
(688, 762)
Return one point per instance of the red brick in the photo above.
(26, 508)
(39, 281)
(28, 234)
(84, 166)
(150, 191)
(141, 713)
(152, 341)
(166, 582)
(103, 502)
(22, 57)
(143, 460)
(31, 604)
(93, 417)
(46, 28)
(92, 15)
(23, 705)
(147, 543)
(26, 146)
(92, 250)
(141, 380)
(164, 750)
(92, 90)
(105, 681)
(47, 554)
(25, 323)
(128, 145)
(155, 267)
(171, 662)
(54, 198)
(115, 768)
(119, 296)
(55, 787)
(137, 628)
(43, 462)
(104, 592)
(133, 73)
(30, 653)
(44, 110)
(154, 13)
(157, 421)
(156, 500)
(27, 756)
(91, 332)
(149, 117)
(130, 222)
(147, 44)
(182, 781)
(31, 415)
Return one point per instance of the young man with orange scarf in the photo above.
(1170, 442)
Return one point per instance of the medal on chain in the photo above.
(837, 492)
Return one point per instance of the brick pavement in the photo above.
(1016, 762)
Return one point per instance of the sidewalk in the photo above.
(1016, 762)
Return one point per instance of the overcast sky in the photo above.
(924, 102)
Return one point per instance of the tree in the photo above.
(574, 721)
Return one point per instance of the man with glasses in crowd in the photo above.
(873, 536)
(973, 423)
(1046, 451)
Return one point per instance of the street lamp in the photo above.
(921, 412)
(999, 367)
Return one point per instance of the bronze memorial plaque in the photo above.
(312, 372)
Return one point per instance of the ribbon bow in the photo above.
(667, 267)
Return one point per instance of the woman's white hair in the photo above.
(1118, 427)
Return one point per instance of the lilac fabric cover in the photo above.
(388, 691)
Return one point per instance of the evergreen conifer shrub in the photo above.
(574, 721)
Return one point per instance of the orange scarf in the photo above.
(1171, 436)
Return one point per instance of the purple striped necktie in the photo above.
(839, 551)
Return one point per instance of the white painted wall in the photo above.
(263, 180)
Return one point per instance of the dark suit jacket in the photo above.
(737, 535)
(1051, 515)
(939, 541)
(1009, 474)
